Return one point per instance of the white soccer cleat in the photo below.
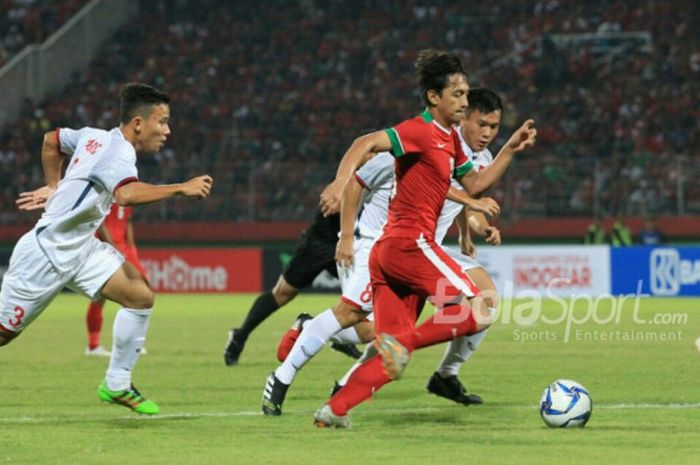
(325, 418)
(98, 351)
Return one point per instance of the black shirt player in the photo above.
(315, 252)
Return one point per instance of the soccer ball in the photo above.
(566, 404)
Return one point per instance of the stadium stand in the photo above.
(267, 97)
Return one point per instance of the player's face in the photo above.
(154, 129)
(451, 103)
(480, 129)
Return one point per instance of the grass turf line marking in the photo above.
(195, 415)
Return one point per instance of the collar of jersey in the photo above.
(428, 118)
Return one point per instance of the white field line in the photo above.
(26, 419)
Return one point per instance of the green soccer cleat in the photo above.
(130, 398)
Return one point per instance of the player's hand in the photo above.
(330, 198)
(199, 186)
(485, 205)
(524, 137)
(36, 199)
(493, 235)
(344, 251)
(467, 247)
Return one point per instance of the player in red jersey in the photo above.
(117, 230)
(406, 265)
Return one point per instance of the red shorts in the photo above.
(404, 273)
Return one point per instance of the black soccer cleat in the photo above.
(273, 396)
(451, 388)
(234, 347)
(348, 349)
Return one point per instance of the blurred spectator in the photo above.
(620, 235)
(650, 234)
(595, 234)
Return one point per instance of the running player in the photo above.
(117, 230)
(315, 252)
(477, 131)
(62, 250)
(406, 265)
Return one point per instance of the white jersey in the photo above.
(451, 209)
(377, 177)
(101, 161)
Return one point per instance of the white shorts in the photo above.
(464, 261)
(31, 282)
(354, 280)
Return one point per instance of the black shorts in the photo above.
(315, 252)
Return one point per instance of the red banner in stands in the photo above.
(203, 270)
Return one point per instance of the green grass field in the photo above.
(645, 392)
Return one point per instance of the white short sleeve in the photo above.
(115, 167)
(68, 139)
(376, 172)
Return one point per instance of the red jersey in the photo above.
(427, 156)
(116, 223)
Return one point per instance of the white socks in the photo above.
(312, 339)
(128, 337)
(458, 351)
(347, 336)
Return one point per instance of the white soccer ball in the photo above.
(566, 404)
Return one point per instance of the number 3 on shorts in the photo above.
(17, 320)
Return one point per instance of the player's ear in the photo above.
(433, 97)
(137, 123)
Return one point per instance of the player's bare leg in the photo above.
(6, 337)
(317, 332)
(128, 288)
(266, 304)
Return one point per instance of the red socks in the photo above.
(94, 324)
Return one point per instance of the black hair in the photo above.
(484, 100)
(434, 68)
(136, 99)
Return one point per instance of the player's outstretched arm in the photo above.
(485, 204)
(137, 193)
(476, 183)
(352, 193)
(362, 149)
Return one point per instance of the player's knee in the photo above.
(142, 298)
(347, 315)
(283, 292)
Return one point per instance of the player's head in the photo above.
(443, 84)
(145, 111)
(483, 119)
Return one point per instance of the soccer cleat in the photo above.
(130, 398)
(451, 388)
(273, 396)
(98, 351)
(394, 355)
(234, 347)
(291, 336)
(348, 349)
(325, 418)
(336, 387)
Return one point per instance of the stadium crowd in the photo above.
(267, 95)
